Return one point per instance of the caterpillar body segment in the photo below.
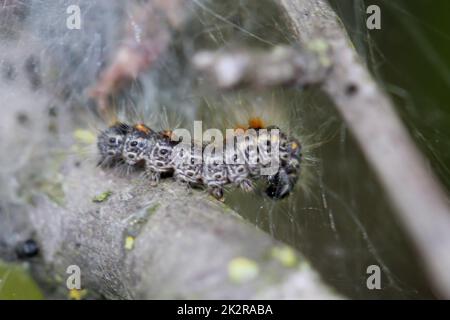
(188, 164)
(215, 174)
(158, 158)
(138, 142)
(110, 144)
(237, 171)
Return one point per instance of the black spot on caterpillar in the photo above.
(197, 165)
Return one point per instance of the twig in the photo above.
(282, 65)
(147, 38)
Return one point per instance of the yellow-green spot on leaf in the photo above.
(242, 269)
(102, 196)
(48, 181)
(318, 45)
(151, 210)
(84, 136)
(129, 242)
(285, 255)
(58, 278)
(321, 47)
(54, 191)
(75, 294)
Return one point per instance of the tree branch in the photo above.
(137, 241)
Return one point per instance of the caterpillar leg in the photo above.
(246, 185)
(188, 180)
(217, 192)
(153, 176)
(239, 176)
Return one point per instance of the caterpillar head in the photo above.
(137, 143)
(110, 143)
(283, 182)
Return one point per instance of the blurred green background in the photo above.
(16, 283)
(410, 55)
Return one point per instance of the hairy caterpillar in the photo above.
(189, 163)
